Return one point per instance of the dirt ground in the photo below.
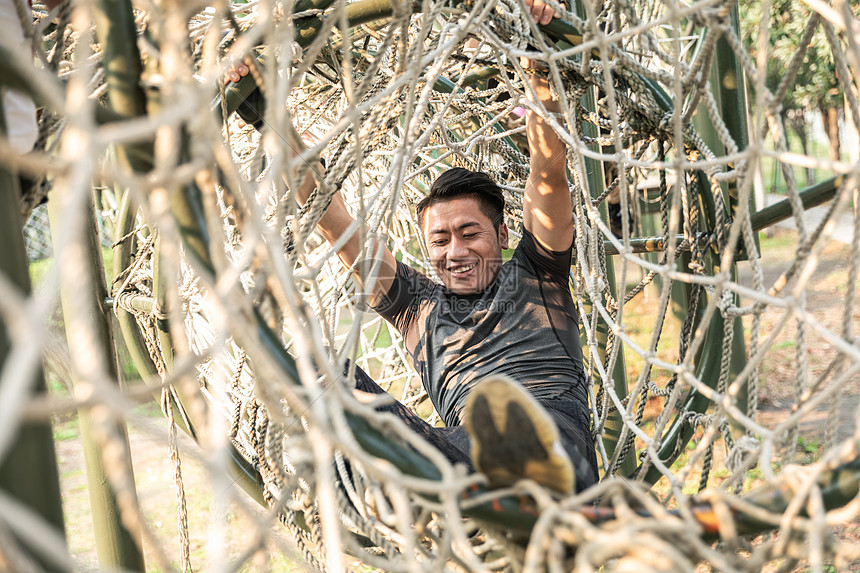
(157, 490)
(157, 494)
(826, 291)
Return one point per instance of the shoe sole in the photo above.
(514, 438)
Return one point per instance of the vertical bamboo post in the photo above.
(614, 422)
(115, 27)
(729, 89)
(117, 547)
(728, 85)
(118, 36)
(28, 472)
(596, 183)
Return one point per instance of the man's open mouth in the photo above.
(462, 269)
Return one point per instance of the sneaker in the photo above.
(513, 437)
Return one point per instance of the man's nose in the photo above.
(457, 249)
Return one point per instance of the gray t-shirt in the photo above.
(525, 325)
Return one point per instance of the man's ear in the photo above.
(503, 236)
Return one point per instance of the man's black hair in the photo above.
(459, 182)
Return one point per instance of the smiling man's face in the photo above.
(465, 249)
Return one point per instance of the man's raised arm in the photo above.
(547, 209)
(336, 219)
(334, 224)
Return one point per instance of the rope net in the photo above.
(246, 321)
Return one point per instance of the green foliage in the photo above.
(38, 271)
(808, 446)
(68, 429)
(825, 569)
(816, 85)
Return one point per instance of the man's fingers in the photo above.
(236, 72)
(541, 12)
(547, 15)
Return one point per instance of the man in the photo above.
(496, 345)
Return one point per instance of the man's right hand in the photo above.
(541, 12)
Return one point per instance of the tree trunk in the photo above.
(830, 116)
(797, 121)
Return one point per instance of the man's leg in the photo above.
(571, 419)
(453, 442)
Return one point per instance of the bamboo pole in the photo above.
(115, 25)
(728, 84)
(614, 423)
(28, 472)
(116, 545)
(126, 99)
(762, 219)
(708, 364)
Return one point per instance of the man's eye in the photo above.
(437, 243)
(470, 235)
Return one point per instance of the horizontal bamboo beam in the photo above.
(839, 486)
(809, 198)
(767, 217)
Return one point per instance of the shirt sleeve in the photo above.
(547, 264)
(401, 305)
